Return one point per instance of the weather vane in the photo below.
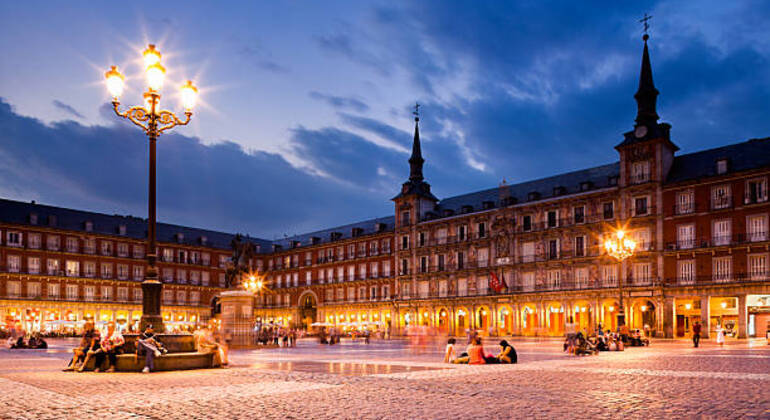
(416, 111)
(645, 21)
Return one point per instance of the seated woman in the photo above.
(86, 342)
(476, 353)
(19, 344)
(449, 353)
(149, 345)
(91, 350)
(507, 353)
(109, 348)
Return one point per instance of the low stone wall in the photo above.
(182, 355)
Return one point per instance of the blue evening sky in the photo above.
(305, 121)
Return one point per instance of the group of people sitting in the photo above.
(277, 336)
(579, 344)
(475, 355)
(94, 345)
(34, 342)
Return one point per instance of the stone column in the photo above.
(669, 317)
(516, 319)
(237, 309)
(743, 316)
(495, 316)
(705, 316)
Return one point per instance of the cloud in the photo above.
(219, 186)
(340, 102)
(262, 59)
(72, 112)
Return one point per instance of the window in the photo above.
(14, 263)
(106, 248)
(423, 264)
(526, 224)
(756, 191)
(528, 252)
(404, 267)
(195, 297)
(423, 288)
(295, 279)
(642, 239)
(106, 292)
(758, 266)
(14, 289)
(440, 262)
(756, 228)
(386, 246)
(553, 249)
(206, 258)
(89, 269)
(609, 210)
(138, 251)
(722, 269)
(553, 279)
(460, 260)
(137, 295)
(482, 229)
(610, 275)
(122, 294)
(181, 297)
(72, 245)
(106, 271)
(405, 218)
(684, 202)
(581, 277)
(33, 240)
(168, 296)
(13, 239)
(720, 197)
(351, 293)
(204, 278)
(640, 206)
(553, 218)
(223, 261)
(33, 265)
(33, 290)
(441, 236)
(405, 242)
(52, 266)
(168, 275)
(340, 294)
(642, 273)
(361, 293)
(123, 271)
(462, 232)
(373, 248)
(89, 292)
(351, 273)
(138, 273)
(54, 290)
(181, 276)
(73, 268)
(685, 236)
(72, 292)
(579, 214)
(483, 258)
(721, 166)
(421, 239)
(640, 172)
(528, 281)
(52, 243)
(374, 269)
(195, 277)
(580, 246)
(721, 233)
(686, 271)
(308, 277)
(373, 293)
(386, 291)
(122, 250)
(89, 245)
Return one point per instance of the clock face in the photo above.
(641, 131)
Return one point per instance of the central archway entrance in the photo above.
(308, 309)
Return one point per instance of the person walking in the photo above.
(720, 335)
(696, 329)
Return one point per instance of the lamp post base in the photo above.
(151, 291)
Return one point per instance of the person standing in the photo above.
(720, 335)
(696, 329)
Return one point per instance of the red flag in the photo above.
(494, 282)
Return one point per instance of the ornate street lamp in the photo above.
(620, 247)
(253, 283)
(153, 121)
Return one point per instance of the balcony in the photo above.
(684, 208)
(721, 202)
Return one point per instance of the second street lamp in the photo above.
(153, 121)
(620, 247)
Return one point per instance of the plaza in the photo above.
(387, 379)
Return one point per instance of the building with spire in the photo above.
(516, 259)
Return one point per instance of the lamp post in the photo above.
(620, 247)
(153, 121)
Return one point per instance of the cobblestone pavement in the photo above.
(389, 380)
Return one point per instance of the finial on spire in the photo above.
(416, 111)
(645, 21)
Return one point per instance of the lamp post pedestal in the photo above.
(151, 289)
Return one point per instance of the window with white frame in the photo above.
(138, 251)
(340, 293)
(205, 278)
(138, 273)
(123, 271)
(721, 197)
(642, 273)
(278, 280)
(482, 285)
(137, 294)
(52, 266)
(552, 218)
(72, 292)
(89, 292)
(362, 293)
(685, 202)
(33, 240)
(308, 277)
(722, 268)
(580, 246)
(181, 297)
(642, 239)
(528, 281)
(610, 275)
(386, 291)
(89, 245)
(641, 206)
(462, 287)
(483, 257)
(351, 293)
(758, 266)
(13, 289)
(373, 293)
(181, 276)
(361, 271)
(206, 259)
(33, 290)
(756, 227)
(122, 250)
(54, 290)
(685, 236)
(106, 248)
(33, 265)
(89, 269)
(168, 296)
(106, 292)
(581, 277)
(73, 268)
(221, 279)
(168, 275)
(351, 272)
(756, 191)
(527, 252)
(195, 297)
(386, 268)
(295, 279)
(640, 172)
(553, 279)
(13, 238)
(72, 244)
(195, 277)
(374, 270)
(52, 243)
(122, 295)
(106, 270)
(722, 235)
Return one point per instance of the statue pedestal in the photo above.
(238, 318)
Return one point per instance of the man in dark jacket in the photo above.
(696, 333)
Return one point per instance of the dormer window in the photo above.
(204, 240)
(640, 172)
(33, 218)
(89, 226)
(179, 238)
(721, 166)
(559, 191)
(533, 196)
(586, 185)
(52, 220)
(612, 181)
(122, 230)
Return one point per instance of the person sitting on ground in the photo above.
(476, 353)
(79, 352)
(110, 346)
(449, 353)
(19, 344)
(149, 345)
(507, 353)
(37, 342)
(583, 346)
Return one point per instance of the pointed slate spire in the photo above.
(416, 161)
(646, 96)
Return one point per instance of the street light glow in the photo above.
(189, 95)
(156, 73)
(115, 81)
(150, 56)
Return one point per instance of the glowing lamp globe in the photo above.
(189, 95)
(115, 81)
(155, 76)
(150, 56)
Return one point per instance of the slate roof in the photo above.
(17, 212)
(751, 154)
(369, 227)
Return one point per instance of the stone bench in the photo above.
(181, 355)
